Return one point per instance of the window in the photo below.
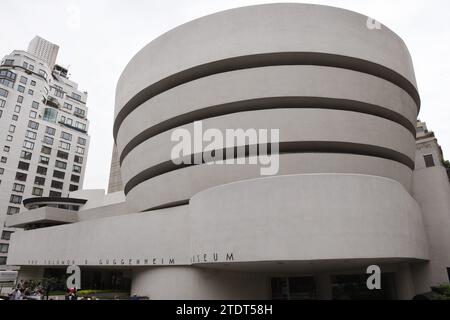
(39, 181)
(17, 109)
(35, 105)
(80, 150)
(33, 114)
(67, 106)
(31, 67)
(6, 148)
(60, 164)
(19, 99)
(3, 159)
(33, 83)
(41, 170)
(15, 117)
(1, 113)
(6, 82)
(12, 128)
(28, 145)
(23, 80)
(17, 187)
(429, 160)
(2, 261)
(64, 145)
(8, 62)
(33, 125)
(57, 185)
(23, 166)
(30, 92)
(15, 199)
(6, 235)
(47, 140)
(62, 155)
(3, 92)
(43, 73)
(80, 112)
(76, 169)
(55, 194)
(51, 131)
(38, 191)
(50, 114)
(31, 135)
(2, 171)
(80, 126)
(66, 136)
(21, 89)
(21, 176)
(44, 160)
(4, 248)
(26, 155)
(59, 93)
(58, 174)
(76, 96)
(12, 210)
(75, 178)
(8, 75)
(78, 159)
(73, 188)
(81, 141)
(46, 150)
(2, 103)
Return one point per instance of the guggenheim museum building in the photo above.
(360, 181)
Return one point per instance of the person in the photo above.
(16, 294)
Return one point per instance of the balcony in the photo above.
(46, 212)
(52, 102)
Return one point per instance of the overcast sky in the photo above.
(97, 38)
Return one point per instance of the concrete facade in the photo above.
(355, 186)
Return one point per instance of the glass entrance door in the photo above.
(293, 288)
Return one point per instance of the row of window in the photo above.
(51, 115)
(25, 166)
(24, 80)
(21, 176)
(26, 65)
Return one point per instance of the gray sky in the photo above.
(97, 38)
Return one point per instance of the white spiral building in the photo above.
(351, 191)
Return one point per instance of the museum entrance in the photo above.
(354, 287)
(93, 279)
(343, 287)
(293, 288)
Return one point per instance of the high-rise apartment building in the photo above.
(43, 131)
(44, 50)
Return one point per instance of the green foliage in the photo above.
(446, 164)
(91, 292)
(442, 292)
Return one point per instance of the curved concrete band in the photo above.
(265, 88)
(181, 185)
(282, 218)
(313, 130)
